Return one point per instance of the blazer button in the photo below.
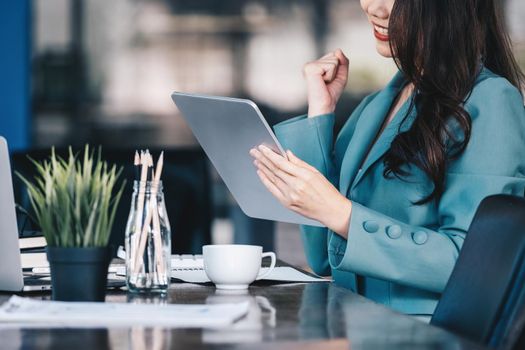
(371, 226)
(420, 237)
(394, 231)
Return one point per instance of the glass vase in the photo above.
(148, 240)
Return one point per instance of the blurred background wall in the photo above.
(101, 72)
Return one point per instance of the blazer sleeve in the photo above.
(312, 140)
(422, 257)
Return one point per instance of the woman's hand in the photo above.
(326, 79)
(303, 189)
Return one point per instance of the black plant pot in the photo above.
(79, 274)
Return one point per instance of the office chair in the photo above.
(186, 183)
(484, 299)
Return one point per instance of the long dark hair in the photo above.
(440, 46)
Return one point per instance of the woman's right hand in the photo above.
(326, 79)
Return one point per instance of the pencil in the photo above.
(140, 206)
(153, 215)
(158, 170)
(150, 166)
(136, 163)
(157, 239)
(142, 238)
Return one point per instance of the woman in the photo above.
(400, 187)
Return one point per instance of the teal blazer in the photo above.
(398, 253)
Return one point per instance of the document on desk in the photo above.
(279, 274)
(190, 268)
(91, 314)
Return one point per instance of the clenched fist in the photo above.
(326, 79)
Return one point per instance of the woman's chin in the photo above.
(383, 48)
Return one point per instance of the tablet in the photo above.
(227, 128)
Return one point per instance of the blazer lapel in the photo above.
(366, 130)
(397, 125)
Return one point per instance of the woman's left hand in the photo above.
(303, 189)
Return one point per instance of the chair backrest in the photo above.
(187, 192)
(485, 294)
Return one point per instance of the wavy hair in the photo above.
(440, 46)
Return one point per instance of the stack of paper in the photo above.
(68, 314)
(32, 260)
(28, 243)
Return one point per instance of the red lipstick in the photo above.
(380, 36)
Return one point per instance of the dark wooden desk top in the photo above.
(298, 316)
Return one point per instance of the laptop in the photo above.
(227, 128)
(11, 275)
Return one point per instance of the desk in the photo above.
(298, 316)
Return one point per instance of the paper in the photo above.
(91, 314)
(32, 242)
(289, 274)
(281, 274)
(31, 260)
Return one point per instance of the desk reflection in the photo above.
(321, 314)
(142, 338)
(328, 312)
(58, 339)
(287, 316)
(261, 315)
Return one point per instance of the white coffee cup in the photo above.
(235, 266)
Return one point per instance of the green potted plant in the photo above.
(75, 202)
